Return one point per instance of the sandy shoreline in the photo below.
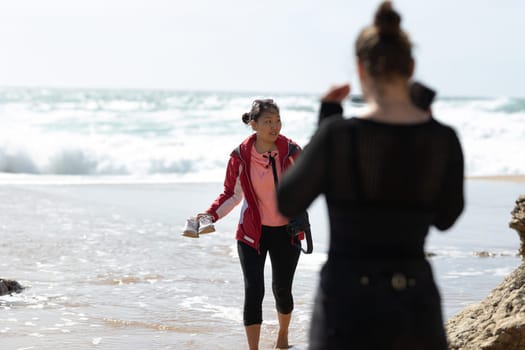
(506, 178)
(28, 179)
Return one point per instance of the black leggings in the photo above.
(284, 257)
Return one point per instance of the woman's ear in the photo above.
(360, 70)
(253, 124)
(412, 67)
(363, 78)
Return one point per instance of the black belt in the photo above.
(398, 281)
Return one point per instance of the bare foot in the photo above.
(282, 341)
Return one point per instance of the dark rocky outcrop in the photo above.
(517, 222)
(9, 287)
(498, 322)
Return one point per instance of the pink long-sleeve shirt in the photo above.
(261, 174)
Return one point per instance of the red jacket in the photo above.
(237, 185)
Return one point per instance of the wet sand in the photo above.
(505, 178)
(107, 268)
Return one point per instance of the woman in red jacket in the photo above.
(252, 173)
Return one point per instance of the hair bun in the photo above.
(387, 20)
(246, 118)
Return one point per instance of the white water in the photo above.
(181, 136)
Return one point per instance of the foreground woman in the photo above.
(387, 176)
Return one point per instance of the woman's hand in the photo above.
(336, 94)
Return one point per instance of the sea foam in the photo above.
(188, 136)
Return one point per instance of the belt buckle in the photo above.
(399, 281)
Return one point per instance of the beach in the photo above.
(106, 267)
(96, 184)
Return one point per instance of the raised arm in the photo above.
(303, 182)
(331, 102)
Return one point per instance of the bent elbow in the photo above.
(447, 220)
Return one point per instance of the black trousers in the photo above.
(377, 306)
(275, 241)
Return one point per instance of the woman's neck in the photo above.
(263, 147)
(392, 103)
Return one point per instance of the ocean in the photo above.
(95, 186)
(187, 136)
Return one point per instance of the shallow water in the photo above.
(107, 268)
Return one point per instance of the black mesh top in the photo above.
(384, 184)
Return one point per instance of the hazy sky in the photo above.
(463, 47)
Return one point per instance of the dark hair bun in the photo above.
(387, 20)
(246, 118)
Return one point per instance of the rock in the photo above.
(484, 254)
(498, 322)
(9, 287)
(517, 221)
